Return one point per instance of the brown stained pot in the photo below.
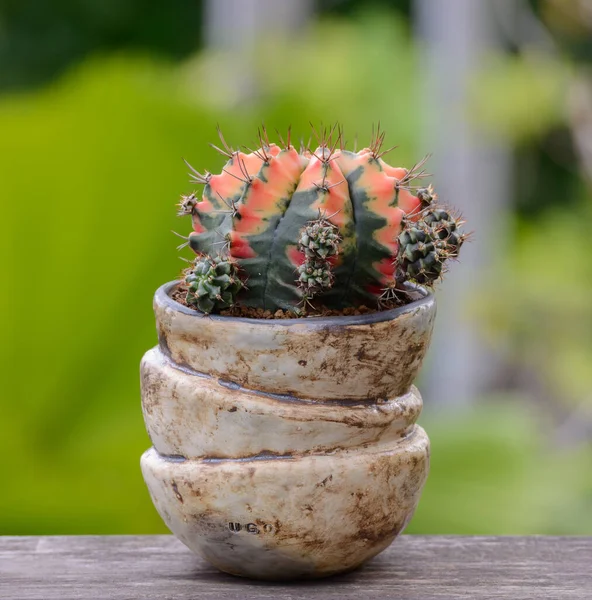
(285, 448)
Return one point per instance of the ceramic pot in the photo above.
(288, 448)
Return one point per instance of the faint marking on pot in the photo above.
(176, 490)
(206, 524)
(251, 528)
(325, 481)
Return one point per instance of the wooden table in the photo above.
(415, 567)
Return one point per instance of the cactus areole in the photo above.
(314, 228)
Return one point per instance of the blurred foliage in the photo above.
(546, 169)
(38, 40)
(544, 324)
(494, 471)
(352, 7)
(91, 169)
(519, 97)
(295, 87)
(101, 153)
(571, 22)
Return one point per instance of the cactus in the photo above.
(212, 284)
(425, 245)
(319, 242)
(324, 224)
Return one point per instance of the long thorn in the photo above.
(222, 152)
(335, 184)
(243, 168)
(280, 138)
(224, 144)
(231, 204)
(328, 218)
(263, 135)
(197, 176)
(330, 136)
(236, 176)
(384, 152)
(340, 138)
(314, 131)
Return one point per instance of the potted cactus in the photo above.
(280, 399)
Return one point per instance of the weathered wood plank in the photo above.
(415, 567)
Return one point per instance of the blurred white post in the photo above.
(234, 27)
(471, 173)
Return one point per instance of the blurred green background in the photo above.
(99, 100)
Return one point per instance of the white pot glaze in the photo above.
(285, 448)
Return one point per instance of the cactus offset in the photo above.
(319, 239)
(332, 224)
(319, 242)
(212, 284)
(424, 246)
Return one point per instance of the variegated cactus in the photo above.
(324, 224)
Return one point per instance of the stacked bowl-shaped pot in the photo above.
(285, 448)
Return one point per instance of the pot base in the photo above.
(287, 517)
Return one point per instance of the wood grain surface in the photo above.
(414, 567)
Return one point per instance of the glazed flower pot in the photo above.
(288, 448)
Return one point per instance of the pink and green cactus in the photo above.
(341, 227)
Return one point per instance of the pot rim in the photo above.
(162, 297)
